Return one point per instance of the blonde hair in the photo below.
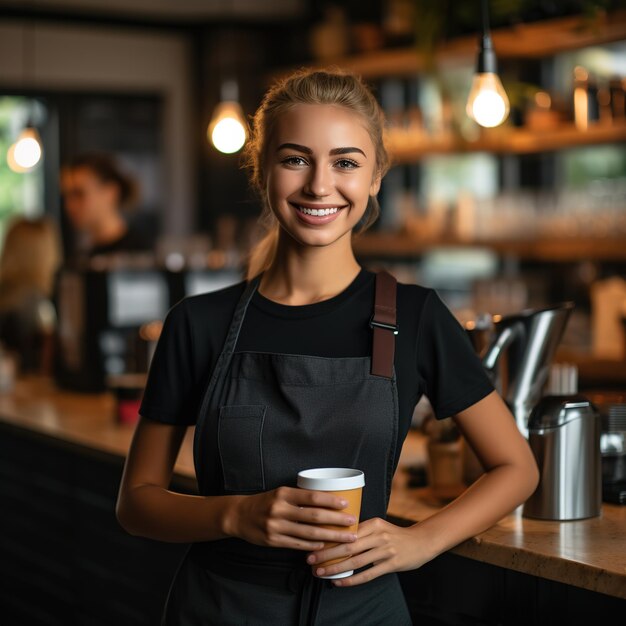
(30, 257)
(308, 86)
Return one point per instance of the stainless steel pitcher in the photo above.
(564, 435)
(529, 340)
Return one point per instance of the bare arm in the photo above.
(282, 517)
(146, 507)
(511, 475)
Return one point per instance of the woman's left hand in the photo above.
(388, 547)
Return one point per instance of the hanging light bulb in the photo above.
(28, 148)
(25, 153)
(228, 129)
(12, 163)
(487, 103)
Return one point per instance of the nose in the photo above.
(319, 181)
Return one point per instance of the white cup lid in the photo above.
(331, 478)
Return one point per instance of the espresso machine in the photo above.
(102, 311)
(517, 351)
(100, 314)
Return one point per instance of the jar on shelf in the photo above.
(330, 39)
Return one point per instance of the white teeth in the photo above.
(318, 212)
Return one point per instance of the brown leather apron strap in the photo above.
(384, 323)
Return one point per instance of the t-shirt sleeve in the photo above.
(451, 371)
(170, 395)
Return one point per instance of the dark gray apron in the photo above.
(264, 417)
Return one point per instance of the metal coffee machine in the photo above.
(517, 351)
(101, 312)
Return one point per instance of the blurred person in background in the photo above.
(98, 195)
(28, 264)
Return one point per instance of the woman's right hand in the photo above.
(288, 517)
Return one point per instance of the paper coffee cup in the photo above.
(343, 482)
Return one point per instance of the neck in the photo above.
(304, 275)
(108, 231)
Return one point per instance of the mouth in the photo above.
(317, 213)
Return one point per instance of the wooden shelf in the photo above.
(594, 371)
(508, 141)
(398, 245)
(534, 40)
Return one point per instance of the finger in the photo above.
(355, 561)
(313, 515)
(296, 543)
(343, 550)
(363, 577)
(368, 527)
(311, 497)
(312, 532)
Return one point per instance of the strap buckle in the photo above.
(373, 323)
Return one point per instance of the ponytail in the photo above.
(262, 255)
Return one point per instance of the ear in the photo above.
(375, 186)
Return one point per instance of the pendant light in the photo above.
(487, 103)
(228, 129)
(26, 152)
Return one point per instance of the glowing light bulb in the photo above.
(26, 152)
(11, 162)
(228, 130)
(487, 103)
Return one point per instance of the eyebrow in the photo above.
(295, 146)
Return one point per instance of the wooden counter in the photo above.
(590, 554)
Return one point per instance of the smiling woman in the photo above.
(304, 371)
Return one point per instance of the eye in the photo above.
(294, 160)
(347, 164)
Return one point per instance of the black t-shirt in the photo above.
(433, 356)
(134, 239)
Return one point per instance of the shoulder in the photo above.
(414, 292)
(217, 302)
(206, 315)
(195, 325)
(426, 298)
(414, 299)
(406, 293)
(423, 309)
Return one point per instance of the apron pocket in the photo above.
(239, 431)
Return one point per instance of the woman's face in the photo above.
(320, 172)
